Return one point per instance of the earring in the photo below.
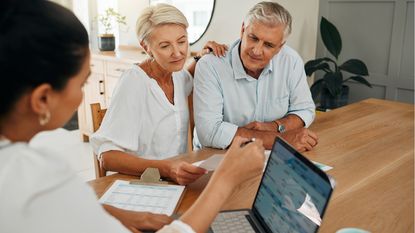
(44, 118)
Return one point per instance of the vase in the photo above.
(328, 101)
(106, 42)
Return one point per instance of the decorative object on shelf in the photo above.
(331, 89)
(106, 41)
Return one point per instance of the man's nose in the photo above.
(257, 50)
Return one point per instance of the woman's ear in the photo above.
(40, 99)
(146, 48)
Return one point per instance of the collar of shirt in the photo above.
(237, 67)
(4, 142)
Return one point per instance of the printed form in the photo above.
(159, 199)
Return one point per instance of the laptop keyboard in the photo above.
(238, 222)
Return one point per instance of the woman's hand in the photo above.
(136, 221)
(217, 49)
(242, 162)
(184, 173)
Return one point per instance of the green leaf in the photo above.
(334, 82)
(310, 70)
(355, 66)
(313, 63)
(362, 80)
(331, 37)
(316, 88)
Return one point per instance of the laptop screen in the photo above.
(293, 193)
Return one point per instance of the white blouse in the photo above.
(39, 193)
(140, 119)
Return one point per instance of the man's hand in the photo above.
(262, 126)
(301, 139)
(184, 173)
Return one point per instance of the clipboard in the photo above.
(147, 194)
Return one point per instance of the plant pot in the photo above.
(106, 42)
(327, 101)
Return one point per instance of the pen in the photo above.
(245, 143)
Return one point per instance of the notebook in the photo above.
(292, 197)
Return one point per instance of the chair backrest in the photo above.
(97, 117)
(191, 124)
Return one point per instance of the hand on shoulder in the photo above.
(216, 48)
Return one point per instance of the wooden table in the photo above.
(370, 144)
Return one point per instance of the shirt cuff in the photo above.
(307, 117)
(107, 146)
(225, 135)
(177, 226)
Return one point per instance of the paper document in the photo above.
(159, 199)
(323, 167)
(213, 162)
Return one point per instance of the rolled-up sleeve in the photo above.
(121, 125)
(176, 226)
(211, 130)
(301, 101)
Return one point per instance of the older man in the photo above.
(258, 89)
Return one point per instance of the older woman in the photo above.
(147, 120)
(38, 190)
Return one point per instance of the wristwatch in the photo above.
(280, 127)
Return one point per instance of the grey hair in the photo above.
(270, 13)
(156, 15)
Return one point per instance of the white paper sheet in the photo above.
(213, 162)
(159, 199)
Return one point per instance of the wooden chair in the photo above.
(97, 117)
(191, 124)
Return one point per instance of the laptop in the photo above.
(292, 197)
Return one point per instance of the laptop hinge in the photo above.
(255, 222)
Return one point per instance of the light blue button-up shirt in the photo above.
(226, 97)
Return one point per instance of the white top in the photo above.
(140, 119)
(39, 193)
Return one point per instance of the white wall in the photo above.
(228, 16)
(131, 9)
(227, 20)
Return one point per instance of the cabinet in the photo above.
(106, 69)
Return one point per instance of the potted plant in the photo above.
(331, 89)
(106, 41)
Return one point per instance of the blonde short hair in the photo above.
(270, 13)
(156, 15)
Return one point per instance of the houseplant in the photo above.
(331, 89)
(106, 41)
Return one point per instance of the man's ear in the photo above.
(242, 29)
(40, 99)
